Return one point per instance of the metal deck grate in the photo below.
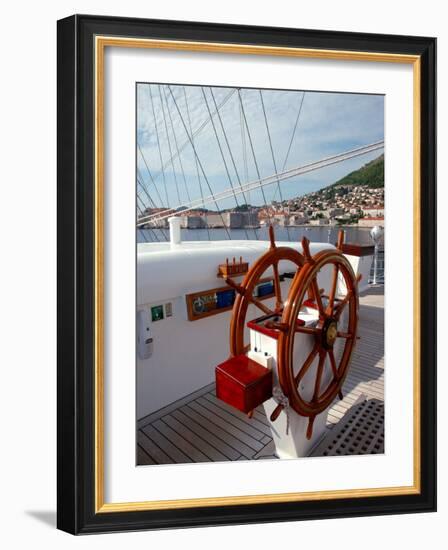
(360, 431)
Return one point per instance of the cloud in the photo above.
(329, 123)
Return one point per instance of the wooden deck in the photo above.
(201, 428)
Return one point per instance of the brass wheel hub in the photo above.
(329, 333)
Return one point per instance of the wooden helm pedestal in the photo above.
(302, 345)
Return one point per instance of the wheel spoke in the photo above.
(334, 367)
(334, 284)
(309, 430)
(260, 305)
(238, 288)
(346, 335)
(317, 298)
(342, 304)
(283, 327)
(307, 330)
(276, 412)
(341, 236)
(277, 288)
(272, 236)
(309, 360)
(320, 369)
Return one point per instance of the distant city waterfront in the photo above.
(353, 234)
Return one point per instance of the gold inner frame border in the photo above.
(101, 42)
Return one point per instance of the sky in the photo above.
(175, 121)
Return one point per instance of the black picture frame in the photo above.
(76, 509)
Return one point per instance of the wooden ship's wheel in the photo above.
(245, 291)
(332, 333)
(327, 333)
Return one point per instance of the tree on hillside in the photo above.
(371, 174)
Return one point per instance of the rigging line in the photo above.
(139, 181)
(293, 134)
(196, 161)
(169, 142)
(294, 131)
(243, 140)
(199, 161)
(273, 156)
(194, 134)
(231, 154)
(141, 213)
(222, 155)
(252, 149)
(243, 145)
(150, 221)
(199, 129)
(149, 172)
(177, 148)
(158, 145)
(142, 233)
(290, 173)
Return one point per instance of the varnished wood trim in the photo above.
(250, 49)
(257, 499)
(190, 298)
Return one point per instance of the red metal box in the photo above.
(243, 383)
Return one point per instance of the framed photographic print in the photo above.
(246, 274)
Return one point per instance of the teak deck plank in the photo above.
(229, 452)
(175, 454)
(180, 442)
(221, 433)
(191, 437)
(254, 422)
(258, 413)
(142, 422)
(227, 424)
(153, 450)
(232, 419)
(143, 457)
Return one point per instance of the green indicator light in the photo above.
(157, 313)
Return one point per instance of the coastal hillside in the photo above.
(371, 174)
